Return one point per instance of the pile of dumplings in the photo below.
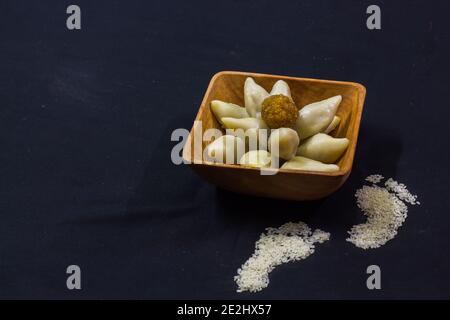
(249, 141)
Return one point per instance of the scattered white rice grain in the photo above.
(401, 191)
(385, 212)
(290, 242)
(375, 178)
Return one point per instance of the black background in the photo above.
(86, 118)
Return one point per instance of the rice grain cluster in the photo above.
(375, 178)
(290, 242)
(385, 209)
(401, 191)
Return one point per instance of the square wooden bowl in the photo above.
(286, 184)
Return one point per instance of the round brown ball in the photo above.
(279, 111)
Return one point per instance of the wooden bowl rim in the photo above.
(341, 172)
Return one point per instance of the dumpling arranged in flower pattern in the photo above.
(281, 87)
(283, 143)
(302, 163)
(324, 148)
(256, 159)
(243, 123)
(302, 144)
(225, 109)
(254, 95)
(316, 117)
(225, 149)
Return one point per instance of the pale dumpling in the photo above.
(243, 123)
(256, 159)
(254, 95)
(302, 163)
(281, 87)
(333, 125)
(224, 109)
(316, 117)
(286, 140)
(225, 149)
(255, 139)
(324, 148)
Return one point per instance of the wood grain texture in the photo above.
(286, 184)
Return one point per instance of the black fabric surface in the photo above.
(85, 124)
